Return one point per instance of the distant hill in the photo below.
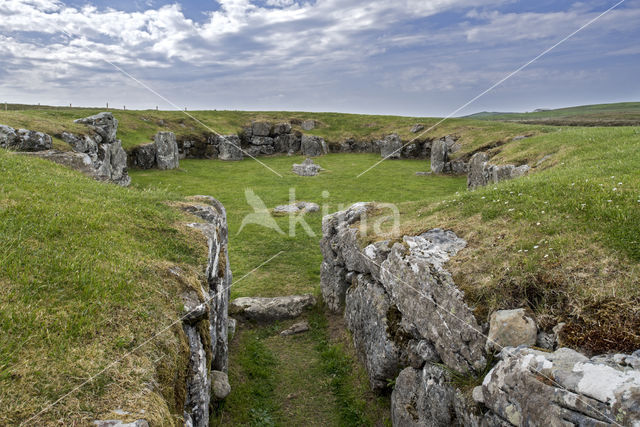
(619, 114)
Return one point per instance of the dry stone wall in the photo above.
(411, 326)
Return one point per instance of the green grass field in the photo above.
(619, 114)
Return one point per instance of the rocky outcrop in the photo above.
(367, 311)
(207, 313)
(562, 388)
(306, 168)
(440, 162)
(313, 146)
(271, 309)
(98, 154)
(166, 151)
(410, 323)
(425, 397)
(24, 140)
(482, 173)
(391, 147)
(229, 148)
(265, 138)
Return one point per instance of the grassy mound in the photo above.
(563, 241)
(83, 281)
(138, 127)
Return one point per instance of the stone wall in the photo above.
(265, 138)
(98, 153)
(411, 326)
(209, 355)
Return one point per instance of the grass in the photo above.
(297, 269)
(139, 126)
(309, 379)
(620, 114)
(563, 241)
(84, 281)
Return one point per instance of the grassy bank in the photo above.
(563, 241)
(138, 127)
(83, 281)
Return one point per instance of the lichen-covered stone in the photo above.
(271, 309)
(260, 129)
(229, 148)
(481, 172)
(391, 147)
(533, 387)
(366, 310)
(306, 168)
(511, 328)
(439, 156)
(313, 146)
(104, 124)
(167, 156)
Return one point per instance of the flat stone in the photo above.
(306, 168)
(417, 128)
(297, 328)
(229, 147)
(270, 309)
(297, 207)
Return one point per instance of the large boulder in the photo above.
(108, 158)
(439, 156)
(426, 398)
(229, 147)
(260, 129)
(287, 143)
(8, 136)
(511, 328)
(271, 309)
(481, 172)
(367, 312)
(308, 124)
(167, 156)
(306, 168)
(477, 176)
(104, 124)
(313, 146)
(391, 147)
(144, 156)
(281, 129)
(24, 140)
(425, 294)
(531, 387)
(220, 384)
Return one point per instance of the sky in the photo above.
(400, 57)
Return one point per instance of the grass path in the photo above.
(311, 379)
